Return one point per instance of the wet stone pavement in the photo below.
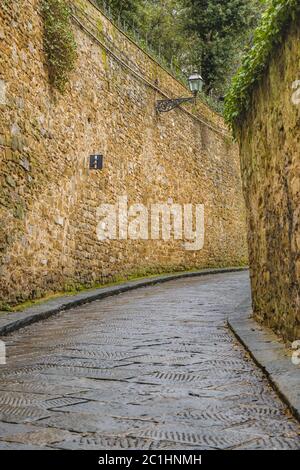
(156, 368)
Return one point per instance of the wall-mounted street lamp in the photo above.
(196, 86)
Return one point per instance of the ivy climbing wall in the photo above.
(48, 195)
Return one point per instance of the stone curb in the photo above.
(13, 321)
(270, 354)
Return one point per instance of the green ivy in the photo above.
(277, 17)
(59, 42)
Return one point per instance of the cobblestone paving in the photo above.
(155, 368)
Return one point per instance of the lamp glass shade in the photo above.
(195, 82)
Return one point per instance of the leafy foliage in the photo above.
(159, 22)
(274, 22)
(194, 34)
(59, 42)
(222, 29)
(127, 10)
(164, 24)
(157, 26)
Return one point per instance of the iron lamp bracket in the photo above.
(164, 106)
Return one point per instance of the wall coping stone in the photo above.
(270, 354)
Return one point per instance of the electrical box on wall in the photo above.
(96, 162)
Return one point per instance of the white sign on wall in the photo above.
(2, 92)
(2, 353)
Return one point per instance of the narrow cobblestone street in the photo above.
(156, 368)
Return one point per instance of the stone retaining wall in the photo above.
(270, 154)
(48, 196)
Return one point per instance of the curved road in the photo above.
(154, 368)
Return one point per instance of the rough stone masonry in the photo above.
(49, 198)
(269, 143)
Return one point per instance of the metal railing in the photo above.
(153, 49)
